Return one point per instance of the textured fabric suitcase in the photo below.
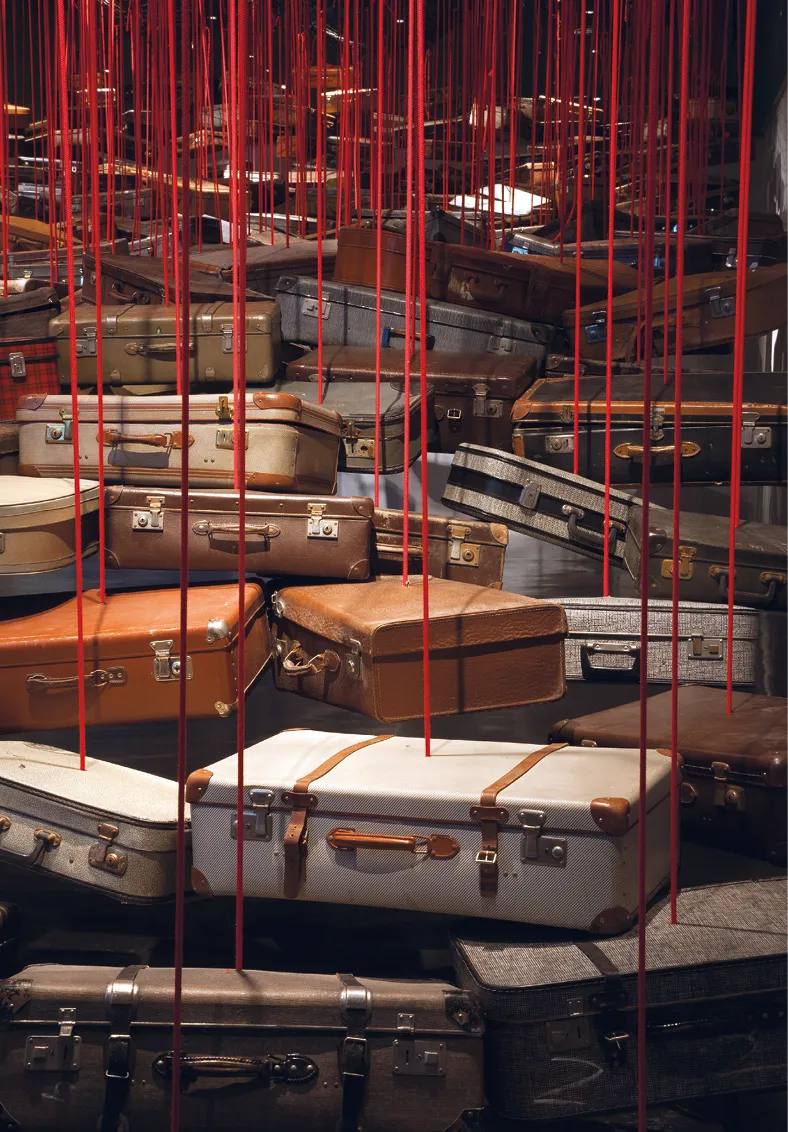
(37, 523)
(567, 1009)
(503, 830)
(361, 648)
(132, 658)
(138, 343)
(9, 448)
(141, 279)
(292, 446)
(474, 393)
(462, 550)
(109, 827)
(27, 365)
(287, 1052)
(537, 500)
(760, 558)
(284, 534)
(27, 315)
(349, 320)
(265, 264)
(733, 766)
(604, 641)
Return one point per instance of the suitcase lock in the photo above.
(103, 856)
(752, 436)
(482, 407)
(596, 331)
(317, 526)
(16, 362)
(705, 648)
(537, 849)
(152, 519)
(257, 819)
(460, 552)
(167, 668)
(87, 347)
(59, 433)
(726, 796)
(226, 329)
(721, 306)
(686, 564)
(47, 1054)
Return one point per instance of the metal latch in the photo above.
(657, 421)
(310, 307)
(686, 564)
(59, 433)
(568, 1034)
(152, 519)
(226, 329)
(257, 819)
(48, 1054)
(103, 856)
(462, 552)
(535, 846)
(87, 348)
(225, 438)
(732, 259)
(596, 331)
(560, 442)
(752, 435)
(413, 1058)
(725, 795)
(317, 526)
(481, 406)
(16, 362)
(500, 345)
(529, 496)
(360, 446)
(165, 666)
(705, 648)
(224, 410)
(721, 306)
(353, 660)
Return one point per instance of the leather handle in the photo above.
(295, 662)
(157, 349)
(278, 401)
(435, 845)
(98, 678)
(114, 437)
(293, 1068)
(252, 531)
(141, 298)
(768, 578)
(604, 672)
(390, 332)
(45, 839)
(629, 451)
(586, 537)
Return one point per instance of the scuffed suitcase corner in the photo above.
(612, 815)
(200, 882)
(612, 921)
(196, 784)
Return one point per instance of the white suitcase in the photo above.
(109, 827)
(37, 523)
(503, 830)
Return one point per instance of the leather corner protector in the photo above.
(554, 735)
(612, 921)
(28, 470)
(200, 883)
(364, 507)
(500, 533)
(111, 560)
(196, 784)
(666, 751)
(112, 494)
(612, 815)
(359, 571)
(31, 401)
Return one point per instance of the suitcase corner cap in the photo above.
(196, 784)
(612, 815)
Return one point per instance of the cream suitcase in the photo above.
(513, 831)
(291, 445)
(108, 827)
(37, 527)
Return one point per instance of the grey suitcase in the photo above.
(547, 503)
(349, 320)
(89, 1048)
(567, 1009)
(604, 641)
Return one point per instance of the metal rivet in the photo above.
(142, 521)
(557, 853)
(468, 555)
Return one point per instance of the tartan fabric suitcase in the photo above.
(292, 446)
(290, 1051)
(107, 827)
(265, 264)
(548, 503)
(27, 365)
(500, 830)
(567, 1009)
(462, 550)
(37, 523)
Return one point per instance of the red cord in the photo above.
(378, 244)
(615, 39)
(581, 153)
(422, 250)
(409, 304)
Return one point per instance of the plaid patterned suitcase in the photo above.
(27, 365)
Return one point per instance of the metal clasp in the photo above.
(225, 438)
(461, 552)
(725, 795)
(257, 819)
(705, 648)
(226, 329)
(686, 564)
(16, 362)
(103, 857)
(559, 442)
(721, 306)
(152, 519)
(59, 433)
(317, 526)
(535, 847)
(224, 410)
(596, 331)
(353, 660)
(752, 435)
(482, 407)
(165, 666)
(657, 421)
(87, 348)
(47, 1054)
(310, 307)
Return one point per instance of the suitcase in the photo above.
(140, 279)
(543, 427)
(509, 831)
(285, 534)
(292, 446)
(604, 641)
(109, 827)
(760, 252)
(567, 1008)
(356, 261)
(290, 1051)
(548, 503)
(627, 251)
(474, 393)
(37, 529)
(733, 766)
(265, 264)
(9, 448)
(362, 648)
(138, 343)
(349, 319)
(462, 550)
(132, 658)
(27, 365)
(708, 317)
(27, 315)
(9, 939)
(760, 558)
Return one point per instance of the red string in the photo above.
(581, 150)
(409, 315)
(422, 249)
(615, 40)
(319, 175)
(378, 243)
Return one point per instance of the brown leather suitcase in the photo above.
(474, 393)
(356, 261)
(9, 448)
(284, 534)
(27, 315)
(361, 648)
(463, 550)
(733, 766)
(141, 279)
(133, 658)
(267, 262)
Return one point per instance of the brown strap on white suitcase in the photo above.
(302, 802)
(490, 816)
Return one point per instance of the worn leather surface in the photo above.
(356, 259)
(141, 279)
(483, 543)
(27, 315)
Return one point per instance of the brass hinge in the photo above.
(686, 565)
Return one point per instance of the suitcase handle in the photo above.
(629, 451)
(292, 1067)
(768, 578)
(46, 839)
(436, 845)
(390, 332)
(156, 349)
(169, 440)
(140, 298)
(584, 537)
(98, 678)
(294, 663)
(602, 672)
(266, 531)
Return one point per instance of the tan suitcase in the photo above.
(461, 549)
(37, 523)
(292, 446)
(9, 448)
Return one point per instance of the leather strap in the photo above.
(295, 836)
(356, 1007)
(490, 816)
(122, 998)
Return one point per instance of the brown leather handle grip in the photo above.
(141, 298)
(278, 401)
(629, 451)
(98, 678)
(768, 578)
(435, 845)
(295, 662)
(45, 839)
(156, 349)
(251, 530)
(113, 437)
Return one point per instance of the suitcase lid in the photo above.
(356, 403)
(147, 272)
(756, 544)
(157, 321)
(25, 495)
(389, 525)
(537, 268)
(611, 618)
(41, 301)
(209, 501)
(301, 255)
(125, 626)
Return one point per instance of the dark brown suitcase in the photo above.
(267, 262)
(140, 279)
(474, 393)
(27, 315)
(356, 261)
(9, 938)
(9, 448)
(284, 534)
(362, 648)
(733, 766)
(463, 550)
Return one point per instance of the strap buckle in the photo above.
(487, 857)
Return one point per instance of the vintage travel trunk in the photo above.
(604, 641)
(349, 319)
(362, 648)
(627, 251)
(284, 534)
(462, 550)
(27, 315)
(9, 448)
(733, 766)
(544, 427)
(37, 523)
(293, 1051)
(474, 393)
(27, 365)
(138, 343)
(356, 261)
(108, 826)
(537, 500)
(292, 446)
(133, 656)
(503, 830)
(141, 279)
(266, 263)
(760, 558)
(567, 1009)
